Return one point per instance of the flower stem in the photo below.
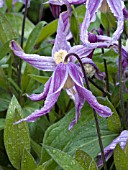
(120, 82)
(106, 73)
(21, 43)
(95, 115)
(99, 88)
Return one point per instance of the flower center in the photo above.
(90, 71)
(60, 56)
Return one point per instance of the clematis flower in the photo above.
(122, 139)
(55, 6)
(66, 75)
(92, 6)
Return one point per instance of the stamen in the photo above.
(60, 56)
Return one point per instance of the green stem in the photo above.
(106, 73)
(21, 43)
(120, 82)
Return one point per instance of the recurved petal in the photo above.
(58, 80)
(79, 102)
(37, 61)
(115, 6)
(55, 9)
(66, 2)
(122, 139)
(43, 95)
(62, 31)
(74, 73)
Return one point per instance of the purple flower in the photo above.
(121, 140)
(55, 6)
(65, 76)
(92, 7)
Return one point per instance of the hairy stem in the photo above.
(21, 43)
(106, 73)
(95, 115)
(120, 82)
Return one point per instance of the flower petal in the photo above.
(58, 80)
(43, 95)
(62, 32)
(55, 9)
(39, 62)
(121, 139)
(75, 74)
(66, 2)
(79, 102)
(115, 6)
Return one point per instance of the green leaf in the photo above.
(27, 84)
(16, 137)
(41, 167)
(120, 159)
(105, 21)
(28, 161)
(47, 31)
(74, 26)
(16, 20)
(85, 160)
(126, 150)
(33, 37)
(36, 148)
(114, 123)
(4, 49)
(2, 124)
(41, 79)
(83, 136)
(6, 30)
(63, 159)
(4, 100)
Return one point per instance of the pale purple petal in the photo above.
(62, 31)
(43, 95)
(1, 3)
(58, 80)
(92, 7)
(39, 62)
(122, 139)
(79, 102)
(75, 74)
(66, 2)
(55, 9)
(117, 9)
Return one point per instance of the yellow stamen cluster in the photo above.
(60, 56)
(89, 70)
